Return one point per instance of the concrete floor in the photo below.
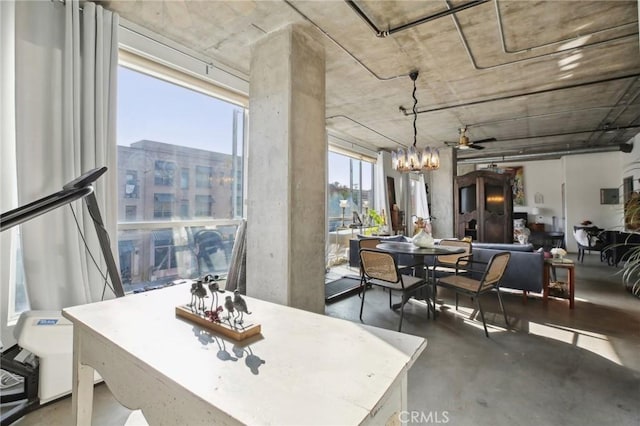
(552, 366)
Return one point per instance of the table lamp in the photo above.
(536, 211)
(343, 204)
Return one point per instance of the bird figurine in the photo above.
(194, 285)
(198, 293)
(228, 305)
(240, 306)
(214, 288)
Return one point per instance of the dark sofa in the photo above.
(354, 255)
(525, 269)
(524, 272)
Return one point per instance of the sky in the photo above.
(149, 108)
(153, 109)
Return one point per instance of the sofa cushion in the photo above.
(354, 255)
(503, 246)
(398, 238)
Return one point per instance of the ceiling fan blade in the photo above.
(485, 140)
(474, 146)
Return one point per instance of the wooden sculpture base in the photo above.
(236, 332)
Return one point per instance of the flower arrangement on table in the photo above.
(558, 252)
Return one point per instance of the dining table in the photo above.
(420, 254)
(411, 249)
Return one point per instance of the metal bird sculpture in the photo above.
(193, 294)
(214, 288)
(240, 306)
(198, 293)
(228, 305)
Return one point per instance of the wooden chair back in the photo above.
(451, 259)
(379, 265)
(495, 270)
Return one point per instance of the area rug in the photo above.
(342, 287)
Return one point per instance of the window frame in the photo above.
(183, 227)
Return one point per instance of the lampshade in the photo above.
(344, 203)
(535, 211)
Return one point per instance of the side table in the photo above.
(571, 278)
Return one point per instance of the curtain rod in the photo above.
(236, 73)
(123, 24)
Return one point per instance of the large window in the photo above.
(350, 192)
(350, 180)
(204, 176)
(131, 184)
(180, 167)
(164, 256)
(164, 173)
(163, 205)
(204, 205)
(184, 178)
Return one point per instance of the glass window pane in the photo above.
(18, 291)
(349, 197)
(179, 160)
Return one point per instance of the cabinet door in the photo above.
(496, 214)
(466, 211)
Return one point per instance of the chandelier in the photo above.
(414, 160)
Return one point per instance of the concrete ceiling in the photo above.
(541, 77)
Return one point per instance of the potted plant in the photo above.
(377, 220)
(631, 266)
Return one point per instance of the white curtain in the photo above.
(66, 67)
(422, 206)
(381, 201)
(9, 191)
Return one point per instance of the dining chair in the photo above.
(445, 264)
(366, 243)
(587, 239)
(489, 279)
(381, 269)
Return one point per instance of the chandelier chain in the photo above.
(414, 160)
(415, 114)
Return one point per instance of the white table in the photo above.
(316, 370)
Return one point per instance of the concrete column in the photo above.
(441, 190)
(287, 163)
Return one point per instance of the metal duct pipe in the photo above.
(541, 155)
(385, 33)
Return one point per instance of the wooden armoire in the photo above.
(483, 205)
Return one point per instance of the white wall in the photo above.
(631, 161)
(543, 177)
(585, 176)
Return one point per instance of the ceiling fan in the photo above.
(465, 143)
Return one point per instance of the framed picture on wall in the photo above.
(609, 196)
(518, 184)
